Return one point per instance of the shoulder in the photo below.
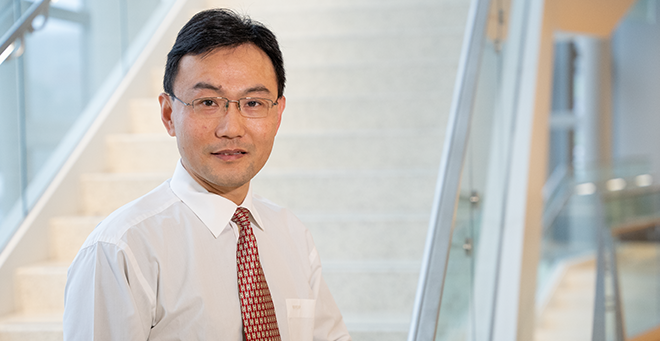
(276, 215)
(287, 227)
(113, 229)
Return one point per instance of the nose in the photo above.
(231, 125)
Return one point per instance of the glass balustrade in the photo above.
(479, 204)
(456, 318)
(633, 219)
(623, 202)
(69, 69)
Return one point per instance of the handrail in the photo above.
(438, 240)
(608, 295)
(20, 27)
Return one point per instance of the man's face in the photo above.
(223, 154)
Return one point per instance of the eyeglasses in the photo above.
(250, 107)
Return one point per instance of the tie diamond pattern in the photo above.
(259, 321)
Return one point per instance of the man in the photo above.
(201, 257)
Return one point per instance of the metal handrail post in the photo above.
(606, 265)
(24, 24)
(438, 240)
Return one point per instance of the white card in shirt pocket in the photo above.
(300, 313)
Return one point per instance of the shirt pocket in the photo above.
(300, 315)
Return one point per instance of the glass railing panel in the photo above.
(626, 213)
(10, 175)
(633, 217)
(6, 14)
(137, 14)
(566, 273)
(455, 308)
(638, 265)
(598, 197)
(457, 320)
(11, 179)
(53, 88)
(69, 69)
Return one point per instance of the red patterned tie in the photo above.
(259, 321)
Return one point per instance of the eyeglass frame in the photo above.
(237, 101)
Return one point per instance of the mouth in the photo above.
(230, 152)
(229, 155)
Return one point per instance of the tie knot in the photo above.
(241, 216)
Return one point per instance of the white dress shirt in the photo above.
(163, 267)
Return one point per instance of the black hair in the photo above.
(216, 28)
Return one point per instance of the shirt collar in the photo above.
(213, 210)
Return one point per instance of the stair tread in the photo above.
(47, 267)
(378, 321)
(31, 322)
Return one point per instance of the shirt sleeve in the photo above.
(329, 324)
(106, 297)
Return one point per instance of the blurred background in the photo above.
(469, 170)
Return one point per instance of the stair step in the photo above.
(377, 334)
(157, 74)
(31, 327)
(387, 79)
(142, 153)
(377, 191)
(392, 18)
(40, 288)
(355, 150)
(145, 116)
(378, 326)
(68, 233)
(344, 237)
(562, 334)
(103, 193)
(360, 287)
(575, 319)
(569, 312)
(322, 113)
(361, 48)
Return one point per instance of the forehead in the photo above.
(227, 68)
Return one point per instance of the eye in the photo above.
(208, 102)
(253, 103)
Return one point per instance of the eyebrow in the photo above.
(258, 88)
(204, 85)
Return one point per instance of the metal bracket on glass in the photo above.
(467, 246)
(474, 198)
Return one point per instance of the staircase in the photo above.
(368, 95)
(569, 312)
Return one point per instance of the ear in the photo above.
(166, 113)
(281, 104)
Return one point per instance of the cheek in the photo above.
(193, 130)
(188, 137)
(266, 137)
(268, 129)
